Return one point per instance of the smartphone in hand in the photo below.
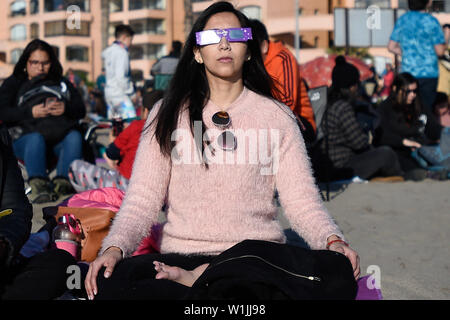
(49, 101)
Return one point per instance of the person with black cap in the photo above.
(346, 144)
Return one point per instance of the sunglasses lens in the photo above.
(221, 119)
(227, 141)
(236, 35)
(207, 37)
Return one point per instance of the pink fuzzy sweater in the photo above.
(210, 210)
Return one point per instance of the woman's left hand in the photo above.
(56, 108)
(351, 254)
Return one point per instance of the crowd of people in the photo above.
(228, 81)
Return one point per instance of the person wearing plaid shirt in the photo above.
(346, 144)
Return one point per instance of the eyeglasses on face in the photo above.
(214, 36)
(35, 63)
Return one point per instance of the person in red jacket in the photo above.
(119, 155)
(290, 89)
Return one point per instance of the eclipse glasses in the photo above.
(214, 36)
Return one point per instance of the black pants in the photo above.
(380, 161)
(134, 278)
(42, 277)
(427, 92)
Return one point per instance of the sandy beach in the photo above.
(401, 228)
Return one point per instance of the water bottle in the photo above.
(67, 235)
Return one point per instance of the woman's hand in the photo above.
(108, 259)
(411, 143)
(39, 111)
(351, 254)
(56, 108)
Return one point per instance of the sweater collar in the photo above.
(231, 107)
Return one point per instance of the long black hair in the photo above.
(189, 85)
(56, 70)
(399, 95)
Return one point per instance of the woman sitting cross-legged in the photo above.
(217, 148)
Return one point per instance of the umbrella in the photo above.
(317, 72)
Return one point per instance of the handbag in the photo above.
(94, 224)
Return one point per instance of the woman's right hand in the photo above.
(108, 259)
(411, 143)
(39, 111)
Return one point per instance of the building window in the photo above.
(34, 6)
(147, 4)
(112, 28)
(137, 52)
(440, 6)
(18, 32)
(115, 5)
(59, 5)
(59, 28)
(316, 42)
(18, 8)
(77, 53)
(148, 26)
(15, 55)
(149, 51)
(300, 11)
(252, 12)
(364, 4)
(34, 31)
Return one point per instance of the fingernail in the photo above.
(90, 297)
(107, 274)
(95, 292)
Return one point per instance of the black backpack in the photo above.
(36, 91)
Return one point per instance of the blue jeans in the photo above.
(32, 149)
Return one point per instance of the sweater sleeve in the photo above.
(144, 197)
(298, 193)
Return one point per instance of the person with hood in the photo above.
(346, 144)
(119, 88)
(282, 66)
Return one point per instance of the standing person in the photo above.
(119, 88)
(101, 82)
(388, 79)
(419, 39)
(282, 66)
(213, 203)
(164, 68)
(43, 125)
(346, 144)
